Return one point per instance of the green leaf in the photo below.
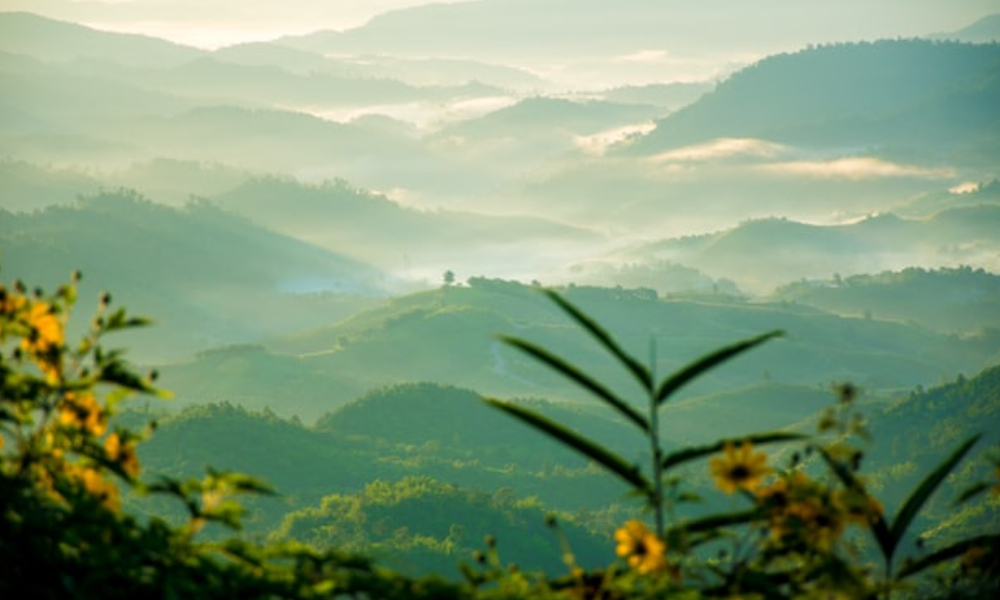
(714, 522)
(971, 492)
(879, 527)
(695, 452)
(115, 372)
(927, 487)
(602, 456)
(584, 380)
(120, 320)
(638, 369)
(707, 363)
(957, 549)
(889, 536)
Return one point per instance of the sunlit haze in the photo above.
(213, 23)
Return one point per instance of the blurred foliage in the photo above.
(63, 464)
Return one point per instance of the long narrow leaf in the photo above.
(971, 492)
(939, 556)
(584, 380)
(601, 455)
(716, 521)
(707, 363)
(883, 537)
(927, 487)
(695, 452)
(638, 369)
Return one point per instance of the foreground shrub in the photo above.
(64, 464)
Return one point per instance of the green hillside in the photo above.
(206, 276)
(456, 422)
(306, 463)
(419, 525)
(448, 336)
(918, 429)
(349, 482)
(957, 300)
(927, 96)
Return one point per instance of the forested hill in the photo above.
(960, 299)
(912, 437)
(930, 422)
(206, 275)
(449, 336)
(893, 93)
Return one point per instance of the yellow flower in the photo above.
(804, 510)
(123, 454)
(741, 468)
(641, 548)
(83, 412)
(46, 330)
(94, 484)
(44, 339)
(10, 303)
(101, 488)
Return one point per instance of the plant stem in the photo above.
(654, 441)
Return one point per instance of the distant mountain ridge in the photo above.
(544, 29)
(983, 31)
(852, 96)
(50, 39)
(764, 251)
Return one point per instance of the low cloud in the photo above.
(598, 143)
(646, 56)
(855, 168)
(722, 148)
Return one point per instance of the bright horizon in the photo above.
(211, 24)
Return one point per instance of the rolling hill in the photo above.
(338, 216)
(906, 97)
(954, 300)
(206, 276)
(52, 40)
(765, 253)
(448, 336)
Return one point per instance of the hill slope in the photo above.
(208, 277)
(887, 94)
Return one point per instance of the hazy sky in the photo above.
(218, 22)
(214, 22)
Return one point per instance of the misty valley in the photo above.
(442, 301)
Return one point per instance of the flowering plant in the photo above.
(788, 542)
